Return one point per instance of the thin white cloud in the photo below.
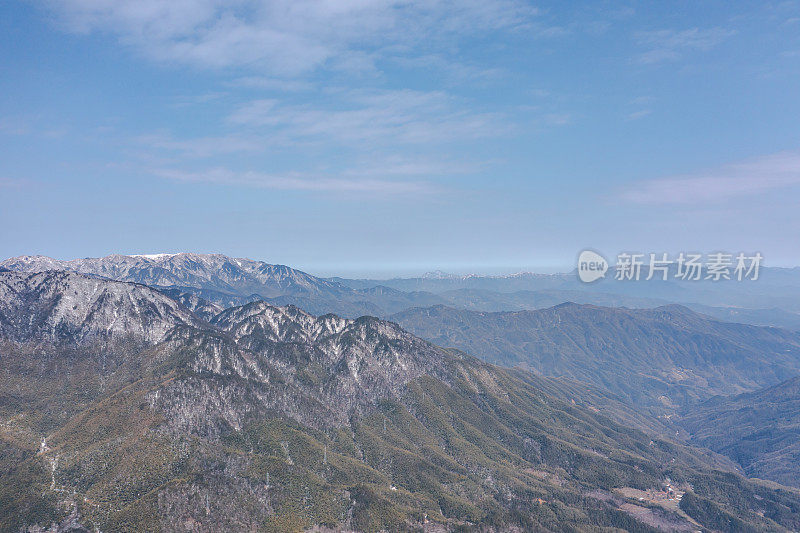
(296, 181)
(642, 100)
(373, 117)
(753, 177)
(12, 183)
(394, 165)
(637, 115)
(35, 125)
(669, 45)
(205, 146)
(271, 84)
(199, 99)
(452, 70)
(286, 37)
(558, 119)
(641, 105)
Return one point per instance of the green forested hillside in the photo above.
(759, 430)
(657, 359)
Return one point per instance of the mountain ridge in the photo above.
(661, 358)
(278, 420)
(227, 281)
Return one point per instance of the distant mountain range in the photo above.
(228, 281)
(774, 299)
(661, 359)
(223, 281)
(212, 272)
(151, 418)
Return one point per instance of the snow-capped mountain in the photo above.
(227, 281)
(354, 361)
(278, 324)
(201, 271)
(61, 306)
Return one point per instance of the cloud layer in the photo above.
(670, 44)
(744, 179)
(295, 181)
(373, 117)
(286, 37)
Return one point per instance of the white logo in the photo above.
(591, 266)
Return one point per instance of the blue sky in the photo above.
(381, 137)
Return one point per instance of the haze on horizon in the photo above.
(355, 139)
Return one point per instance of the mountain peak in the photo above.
(186, 270)
(274, 323)
(71, 307)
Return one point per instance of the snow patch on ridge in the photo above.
(155, 257)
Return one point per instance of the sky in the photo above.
(357, 137)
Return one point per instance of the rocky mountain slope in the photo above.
(276, 420)
(195, 303)
(759, 430)
(64, 307)
(661, 359)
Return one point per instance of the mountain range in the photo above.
(225, 281)
(270, 418)
(770, 300)
(661, 359)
